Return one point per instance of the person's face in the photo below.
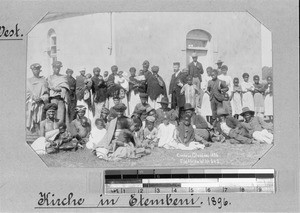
(164, 106)
(256, 80)
(151, 113)
(236, 82)
(84, 122)
(120, 114)
(269, 80)
(144, 101)
(190, 81)
(187, 122)
(189, 112)
(105, 73)
(195, 59)
(104, 114)
(247, 116)
(97, 73)
(51, 113)
(69, 74)
(116, 101)
(176, 68)
(224, 72)
(36, 72)
(81, 113)
(114, 70)
(222, 118)
(246, 78)
(132, 73)
(56, 70)
(62, 129)
(99, 125)
(214, 75)
(82, 72)
(166, 121)
(120, 75)
(208, 72)
(150, 125)
(145, 66)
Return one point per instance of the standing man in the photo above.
(195, 69)
(59, 92)
(80, 86)
(147, 73)
(216, 89)
(112, 88)
(99, 90)
(177, 81)
(73, 100)
(36, 97)
(156, 88)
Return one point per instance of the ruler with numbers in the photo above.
(186, 181)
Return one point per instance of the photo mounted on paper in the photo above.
(149, 89)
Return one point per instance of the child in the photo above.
(124, 87)
(227, 104)
(247, 89)
(81, 126)
(258, 98)
(165, 134)
(236, 98)
(134, 85)
(105, 76)
(257, 127)
(96, 134)
(205, 106)
(190, 91)
(141, 107)
(112, 112)
(269, 98)
(149, 134)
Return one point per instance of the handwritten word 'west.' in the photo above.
(9, 33)
(49, 199)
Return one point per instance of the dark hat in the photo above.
(176, 63)
(164, 100)
(35, 66)
(96, 69)
(143, 95)
(245, 110)
(57, 64)
(150, 118)
(188, 106)
(224, 67)
(80, 108)
(69, 70)
(51, 106)
(222, 111)
(146, 62)
(120, 107)
(245, 75)
(194, 55)
(114, 67)
(154, 69)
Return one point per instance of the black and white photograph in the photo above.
(144, 89)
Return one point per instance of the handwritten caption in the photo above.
(49, 200)
(6, 32)
(194, 158)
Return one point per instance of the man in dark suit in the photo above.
(216, 89)
(195, 69)
(177, 81)
(73, 100)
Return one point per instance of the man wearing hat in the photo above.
(36, 96)
(156, 88)
(80, 84)
(141, 107)
(178, 79)
(195, 69)
(163, 110)
(257, 127)
(59, 92)
(73, 99)
(231, 128)
(99, 91)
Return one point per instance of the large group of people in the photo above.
(119, 116)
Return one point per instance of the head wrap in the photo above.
(143, 95)
(80, 108)
(57, 64)
(150, 118)
(50, 106)
(35, 66)
(155, 69)
(120, 107)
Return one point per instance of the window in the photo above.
(197, 40)
(52, 50)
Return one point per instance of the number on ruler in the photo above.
(208, 189)
(140, 190)
(224, 189)
(174, 190)
(157, 190)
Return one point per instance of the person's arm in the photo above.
(171, 85)
(42, 128)
(201, 69)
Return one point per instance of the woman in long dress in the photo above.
(205, 107)
(247, 89)
(269, 98)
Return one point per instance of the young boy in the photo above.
(112, 112)
(257, 127)
(96, 134)
(149, 134)
(231, 128)
(190, 91)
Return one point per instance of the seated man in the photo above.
(149, 134)
(257, 127)
(163, 110)
(231, 128)
(81, 126)
(140, 108)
